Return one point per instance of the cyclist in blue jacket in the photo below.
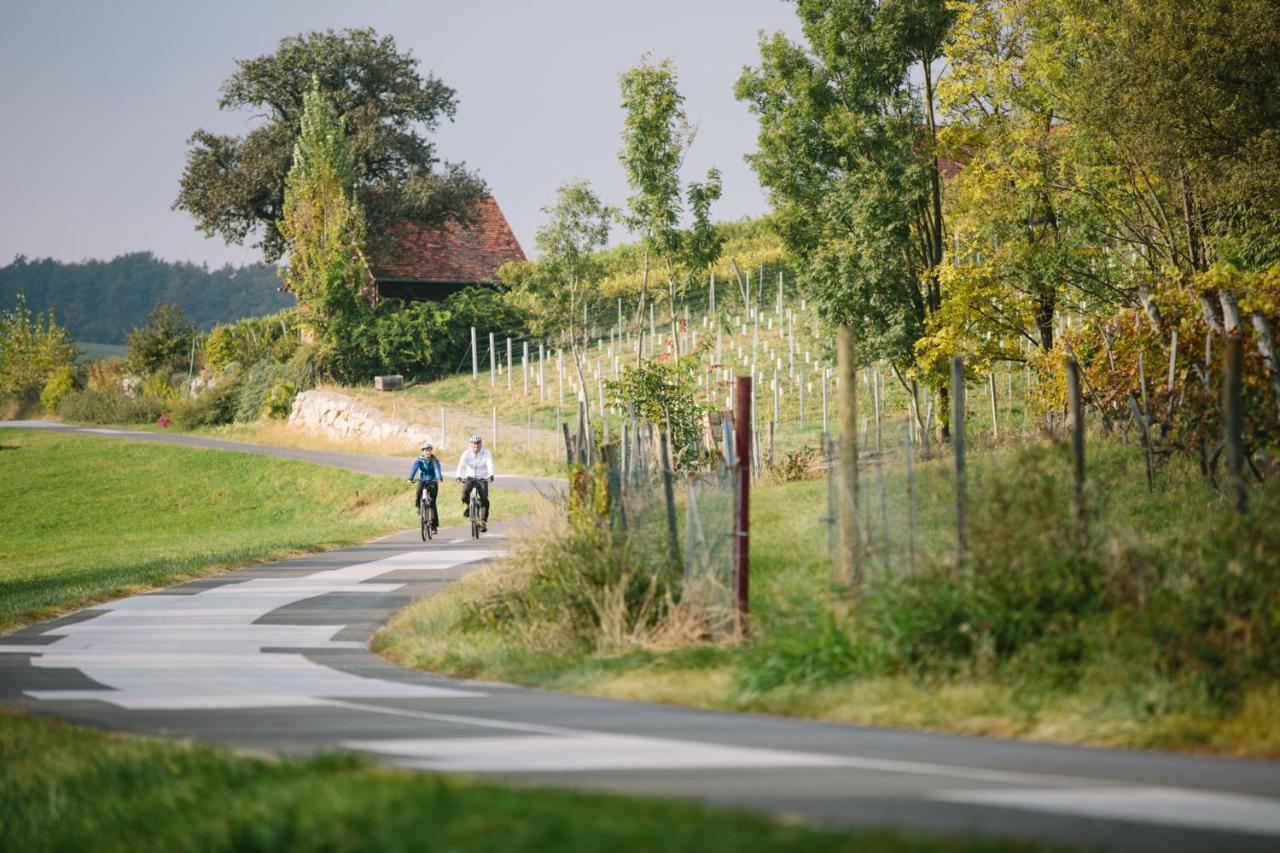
(426, 469)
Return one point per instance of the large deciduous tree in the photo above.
(1022, 237)
(234, 185)
(847, 151)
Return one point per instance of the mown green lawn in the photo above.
(68, 788)
(85, 519)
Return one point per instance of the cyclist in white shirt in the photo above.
(475, 468)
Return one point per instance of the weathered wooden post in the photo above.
(847, 386)
(742, 500)
(524, 365)
(1076, 406)
(957, 443)
(910, 479)
(1233, 420)
(1267, 348)
(668, 492)
(493, 364)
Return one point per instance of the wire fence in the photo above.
(632, 485)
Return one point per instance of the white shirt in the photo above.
(473, 464)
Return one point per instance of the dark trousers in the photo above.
(483, 487)
(433, 489)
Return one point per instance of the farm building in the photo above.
(429, 263)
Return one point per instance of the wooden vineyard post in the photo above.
(1267, 348)
(1076, 405)
(995, 413)
(957, 442)
(493, 364)
(910, 481)
(668, 492)
(742, 500)
(1233, 421)
(847, 387)
(475, 357)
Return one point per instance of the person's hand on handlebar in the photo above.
(490, 478)
(459, 479)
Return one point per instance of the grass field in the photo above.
(797, 660)
(88, 519)
(67, 788)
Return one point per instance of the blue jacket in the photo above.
(429, 468)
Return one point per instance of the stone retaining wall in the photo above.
(338, 416)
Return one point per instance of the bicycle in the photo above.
(475, 508)
(424, 515)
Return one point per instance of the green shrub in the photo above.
(216, 405)
(106, 407)
(248, 341)
(811, 646)
(32, 350)
(161, 390)
(105, 374)
(278, 401)
(61, 383)
(303, 367)
(164, 343)
(254, 386)
(419, 340)
(1215, 613)
(582, 586)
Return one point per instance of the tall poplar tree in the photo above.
(323, 224)
(655, 138)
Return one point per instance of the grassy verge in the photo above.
(87, 519)
(1159, 634)
(67, 788)
(511, 459)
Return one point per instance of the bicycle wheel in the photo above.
(426, 522)
(475, 518)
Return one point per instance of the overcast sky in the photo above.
(100, 97)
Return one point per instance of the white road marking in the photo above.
(208, 650)
(1159, 805)
(542, 753)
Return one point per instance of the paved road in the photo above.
(363, 463)
(273, 658)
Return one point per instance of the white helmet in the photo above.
(475, 439)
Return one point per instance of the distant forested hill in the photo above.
(103, 300)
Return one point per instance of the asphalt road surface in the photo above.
(274, 658)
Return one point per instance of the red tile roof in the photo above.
(450, 253)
